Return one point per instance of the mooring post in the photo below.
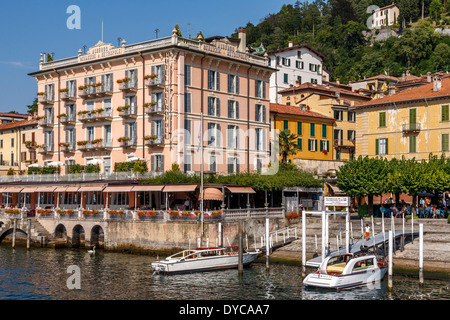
(323, 236)
(412, 225)
(241, 249)
(220, 234)
(384, 233)
(347, 231)
(14, 234)
(267, 244)
(403, 231)
(390, 261)
(28, 233)
(373, 235)
(421, 253)
(303, 244)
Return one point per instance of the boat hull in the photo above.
(202, 264)
(340, 282)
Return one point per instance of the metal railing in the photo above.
(411, 127)
(253, 213)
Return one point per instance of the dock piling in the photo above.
(28, 233)
(421, 253)
(304, 244)
(267, 244)
(390, 261)
(14, 234)
(241, 251)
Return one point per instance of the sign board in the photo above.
(307, 203)
(337, 201)
(99, 51)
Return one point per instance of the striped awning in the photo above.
(45, 189)
(72, 189)
(212, 194)
(241, 189)
(28, 190)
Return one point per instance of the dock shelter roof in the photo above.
(28, 190)
(12, 189)
(92, 188)
(118, 189)
(45, 189)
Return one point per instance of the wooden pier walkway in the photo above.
(370, 243)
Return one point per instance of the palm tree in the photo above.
(288, 144)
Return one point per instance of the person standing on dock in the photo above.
(367, 231)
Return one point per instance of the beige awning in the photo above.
(61, 189)
(45, 189)
(212, 194)
(91, 188)
(241, 189)
(148, 188)
(28, 190)
(180, 188)
(13, 189)
(118, 189)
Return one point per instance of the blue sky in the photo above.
(31, 27)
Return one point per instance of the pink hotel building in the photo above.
(147, 100)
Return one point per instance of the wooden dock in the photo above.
(355, 248)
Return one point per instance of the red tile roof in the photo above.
(16, 124)
(416, 93)
(324, 89)
(295, 110)
(296, 48)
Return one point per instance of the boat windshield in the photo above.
(363, 264)
(337, 264)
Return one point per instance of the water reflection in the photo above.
(42, 274)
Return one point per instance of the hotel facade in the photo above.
(153, 101)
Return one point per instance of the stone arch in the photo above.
(97, 237)
(61, 232)
(78, 236)
(9, 232)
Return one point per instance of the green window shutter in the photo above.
(387, 149)
(382, 119)
(445, 145)
(299, 128)
(377, 146)
(309, 144)
(321, 146)
(312, 132)
(328, 146)
(285, 124)
(445, 113)
(300, 143)
(412, 144)
(324, 130)
(315, 141)
(412, 116)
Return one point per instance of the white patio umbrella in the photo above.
(35, 165)
(55, 163)
(95, 161)
(135, 159)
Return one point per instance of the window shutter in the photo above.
(299, 143)
(377, 146)
(328, 146)
(299, 128)
(321, 145)
(324, 130)
(217, 81)
(237, 84)
(387, 149)
(285, 125)
(237, 137)
(217, 107)
(264, 137)
(445, 141)
(312, 130)
(309, 144)
(229, 83)
(412, 116)
(445, 113)
(315, 142)
(264, 113)
(263, 89)
(230, 111)
(236, 112)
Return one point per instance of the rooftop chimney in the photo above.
(428, 77)
(338, 81)
(392, 90)
(291, 44)
(437, 83)
(297, 83)
(408, 73)
(242, 40)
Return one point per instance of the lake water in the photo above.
(42, 274)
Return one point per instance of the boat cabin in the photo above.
(346, 264)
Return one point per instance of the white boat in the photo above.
(203, 259)
(344, 271)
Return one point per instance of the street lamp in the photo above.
(156, 32)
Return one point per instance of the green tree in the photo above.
(436, 10)
(441, 55)
(287, 144)
(33, 108)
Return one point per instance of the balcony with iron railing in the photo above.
(127, 142)
(67, 119)
(127, 111)
(157, 82)
(104, 90)
(344, 143)
(68, 96)
(154, 141)
(67, 147)
(154, 109)
(411, 128)
(92, 145)
(43, 98)
(45, 121)
(127, 85)
(45, 149)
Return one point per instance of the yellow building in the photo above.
(412, 123)
(333, 102)
(314, 131)
(17, 145)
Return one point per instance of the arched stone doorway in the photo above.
(78, 237)
(61, 232)
(97, 237)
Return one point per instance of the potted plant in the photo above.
(41, 94)
(64, 144)
(64, 90)
(123, 139)
(80, 113)
(62, 115)
(82, 143)
(124, 108)
(174, 213)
